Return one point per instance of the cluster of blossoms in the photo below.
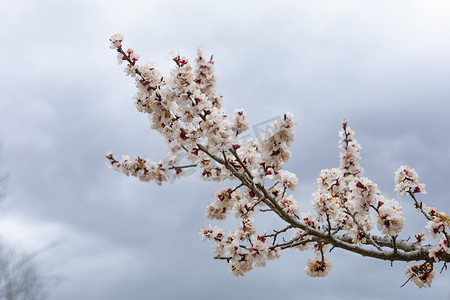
(437, 227)
(241, 259)
(138, 167)
(350, 154)
(345, 199)
(186, 110)
(226, 199)
(407, 181)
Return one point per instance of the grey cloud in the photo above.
(64, 102)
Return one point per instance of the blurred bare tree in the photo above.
(20, 277)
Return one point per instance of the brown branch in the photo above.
(394, 243)
(277, 232)
(181, 167)
(234, 152)
(253, 206)
(419, 205)
(294, 243)
(329, 224)
(411, 251)
(402, 250)
(224, 258)
(360, 228)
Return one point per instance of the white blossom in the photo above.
(116, 40)
(390, 217)
(287, 179)
(439, 221)
(239, 122)
(212, 233)
(289, 205)
(440, 248)
(317, 267)
(421, 275)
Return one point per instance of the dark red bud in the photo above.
(183, 136)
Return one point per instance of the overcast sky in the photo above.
(382, 65)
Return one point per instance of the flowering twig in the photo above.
(185, 109)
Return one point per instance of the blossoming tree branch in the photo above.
(349, 211)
